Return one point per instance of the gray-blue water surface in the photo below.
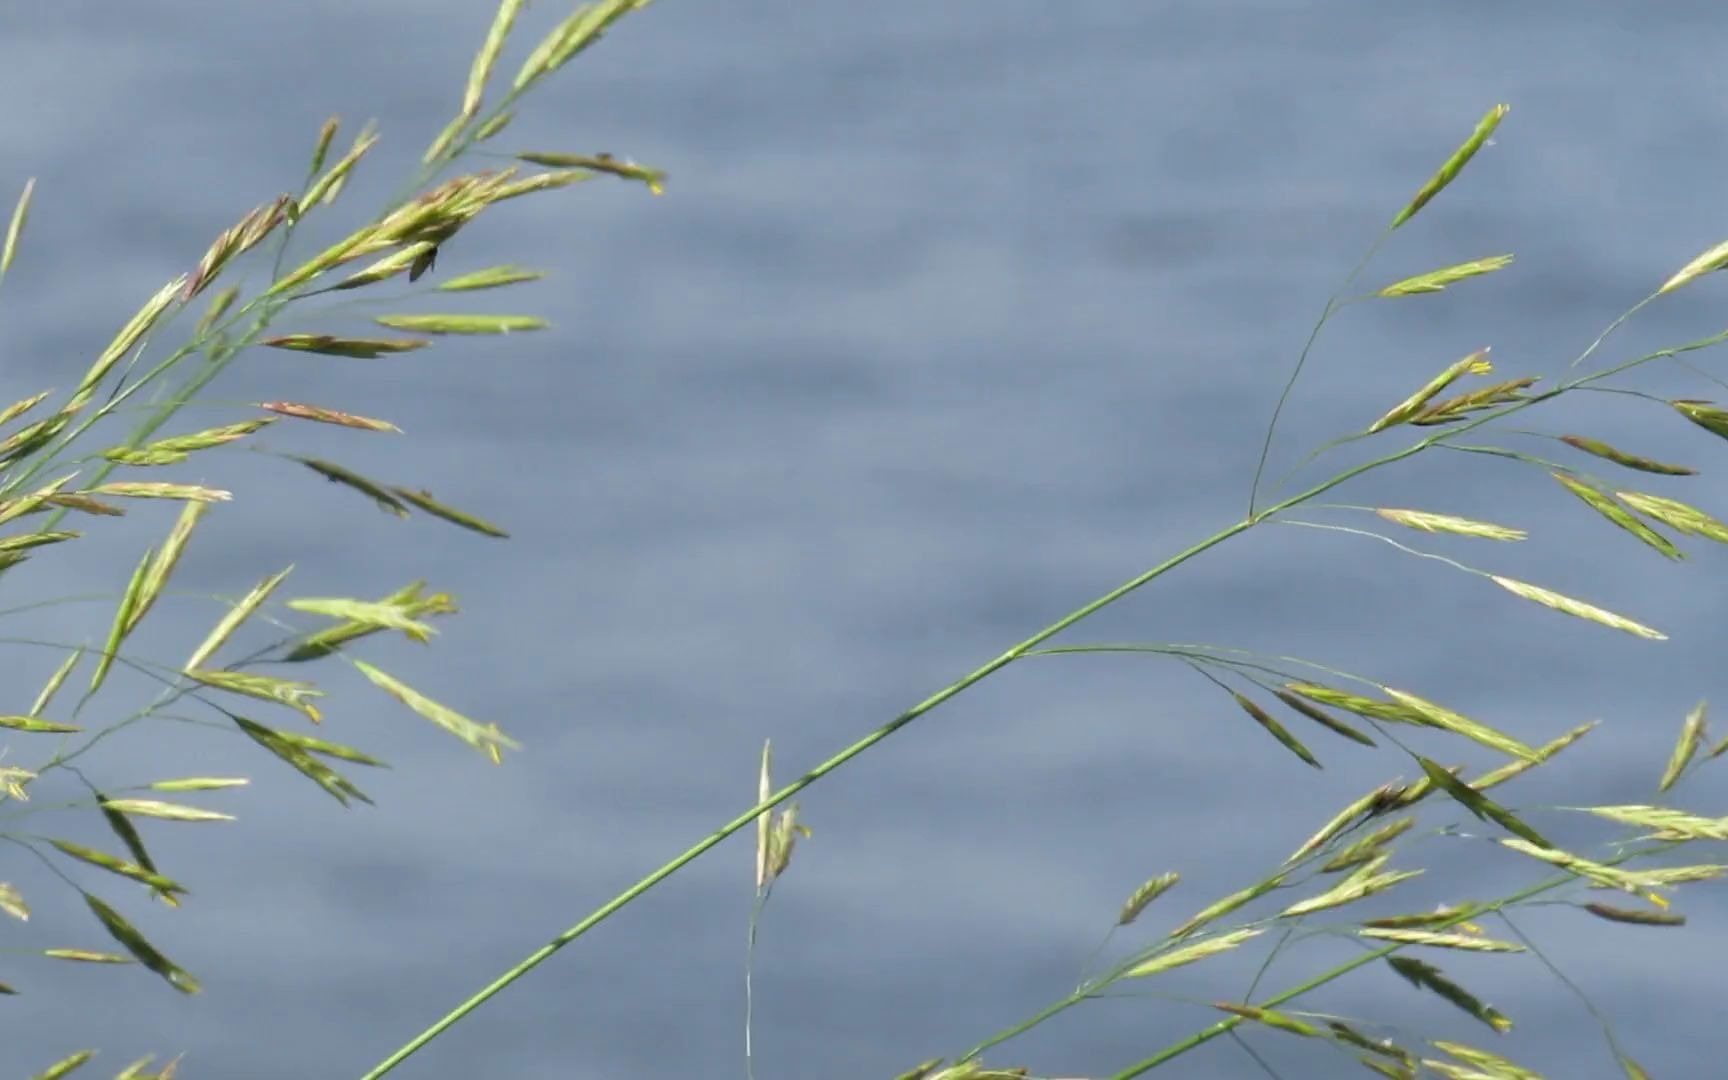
(953, 317)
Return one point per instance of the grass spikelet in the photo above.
(321, 146)
(1669, 824)
(1230, 903)
(1344, 1033)
(1691, 735)
(1634, 916)
(19, 408)
(1355, 703)
(1436, 280)
(1441, 939)
(15, 228)
(1366, 848)
(1188, 954)
(1475, 364)
(1621, 457)
(1277, 731)
(328, 640)
(1614, 512)
(357, 348)
(327, 187)
(1445, 913)
(1454, 164)
(56, 680)
(486, 738)
(35, 726)
(1364, 807)
(655, 179)
(129, 335)
(1138, 901)
(218, 306)
(288, 692)
(236, 241)
(579, 30)
(1458, 408)
(783, 836)
(175, 449)
(423, 500)
(1547, 750)
(166, 811)
(493, 277)
(1490, 1065)
(140, 948)
(161, 568)
(1271, 1018)
(1710, 417)
(1436, 716)
(1636, 882)
(151, 489)
(230, 622)
(301, 760)
(463, 324)
(336, 474)
(1710, 261)
(1447, 523)
(1576, 608)
(1676, 515)
(1322, 717)
(327, 416)
(1479, 804)
(764, 790)
(123, 621)
(1365, 881)
(369, 613)
(1425, 976)
(65, 1065)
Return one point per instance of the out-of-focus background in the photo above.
(953, 317)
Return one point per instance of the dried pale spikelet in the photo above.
(1321, 717)
(1460, 157)
(1364, 882)
(1669, 824)
(1547, 750)
(1635, 916)
(1269, 1017)
(1455, 409)
(1367, 847)
(1277, 730)
(55, 681)
(1441, 939)
(1436, 280)
(1188, 954)
(1576, 608)
(1225, 906)
(381, 614)
(1447, 523)
(150, 489)
(1680, 875)
(1677, 515)
(782, 837)
(1614, 512)
(166, 811)
(1714, 259)
(1425, 976)
(764, 789)
(1475, 364)
(1440, 717)
(1144, 895)
(1691, 735)
(199, 783)
(12, 903)
(15, 228)
(327, 416)
(1621, 457)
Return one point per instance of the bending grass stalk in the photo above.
(748, 817)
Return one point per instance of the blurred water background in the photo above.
(953, 317)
